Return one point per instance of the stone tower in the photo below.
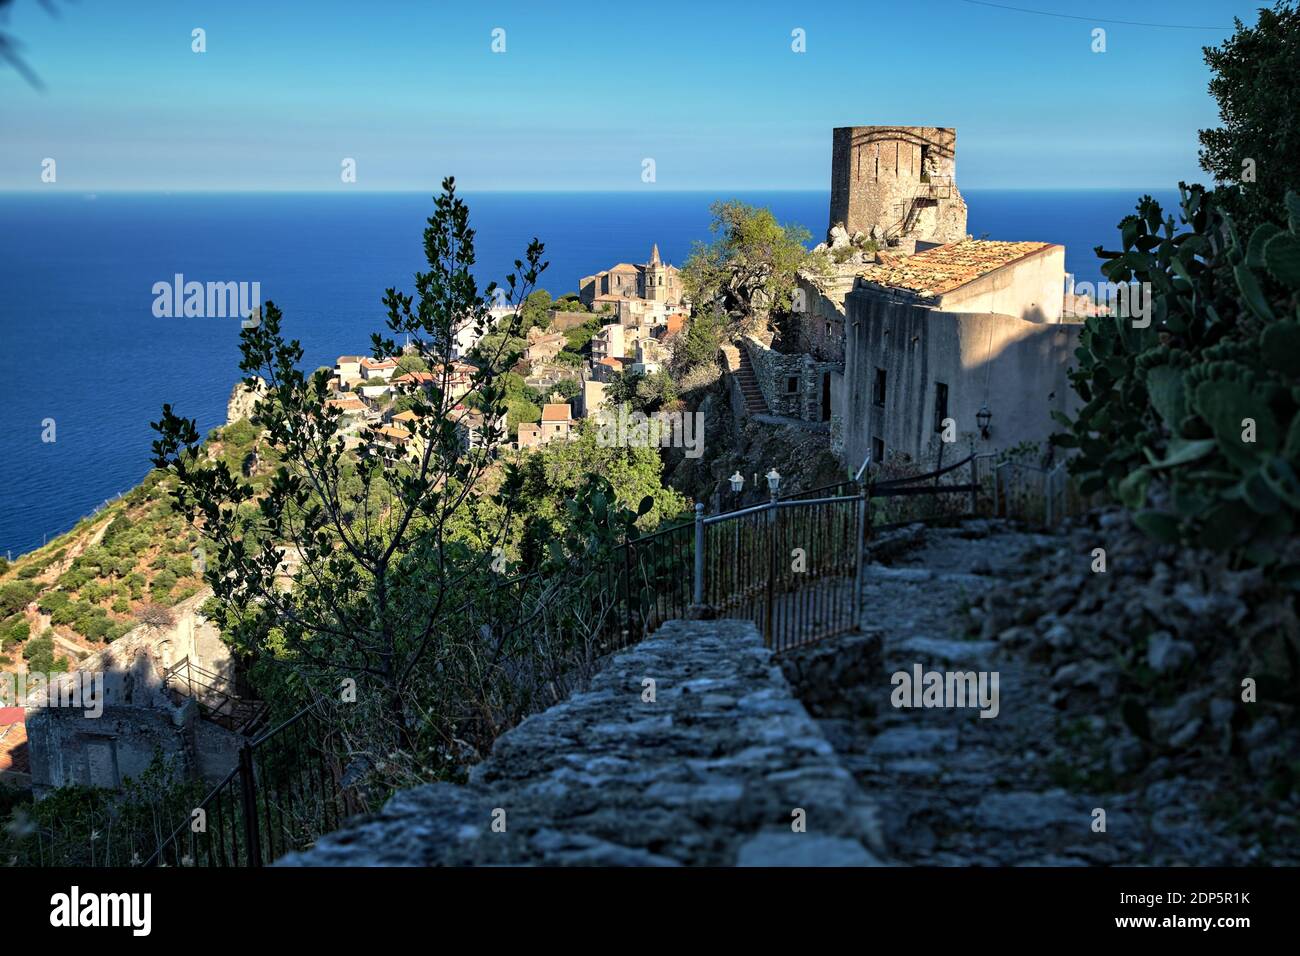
(897, 183)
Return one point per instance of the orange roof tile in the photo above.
(945, 268)
(555, 412)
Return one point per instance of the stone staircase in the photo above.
(755, 404)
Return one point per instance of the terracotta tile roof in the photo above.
(945, 268)
(554, 412)
(417, 378)
(348, 404)
(374, 363)
(13, 742)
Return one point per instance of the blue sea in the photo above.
(83, 347)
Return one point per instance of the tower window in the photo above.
(878, 391)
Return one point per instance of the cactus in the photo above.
(1199, 411)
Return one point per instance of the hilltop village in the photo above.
(904, 334)
(623, 320)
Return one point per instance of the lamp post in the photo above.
(773, 482)
(983, 417)
(737, 484)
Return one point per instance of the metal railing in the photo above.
(791, 566)
(288, 788)
(1034, 494)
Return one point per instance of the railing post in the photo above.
(862, 547)
(627, 590)
(768, 636)
(974, 486)
(697, 592)
(248, 795)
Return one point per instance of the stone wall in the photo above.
(775, 371)
(713, 771)
(563, 321)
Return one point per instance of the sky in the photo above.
(583, 94)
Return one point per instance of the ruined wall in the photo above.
(879, 172)
(139, 715)
(776, 372)
(710, 772)
(1017, 367)
(819, 308)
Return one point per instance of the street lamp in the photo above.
(737, 483)
(773, 482)
(984, 416)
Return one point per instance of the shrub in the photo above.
(162, 584)
(1191, 422)
(16, 595)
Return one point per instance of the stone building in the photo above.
(168, 689)
(894, 183)
(654, 280)
(947, 333)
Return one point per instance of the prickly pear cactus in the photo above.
(1191, 420)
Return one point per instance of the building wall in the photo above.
(593, 396)
(1032, 289)
(1018, 368)
(876, 172)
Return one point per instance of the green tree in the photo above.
(699, 344)
(535, 311)
(379, 582)
(1256, 82)
(750, 265)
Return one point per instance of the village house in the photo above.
(651, 354)
(592, 397)
(608, 343)
(557, 424)
(348, 369)
(376, 369)
(543, 347)
(391, 442)
(530, 435)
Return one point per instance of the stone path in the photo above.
(958, 789)
(709, 773)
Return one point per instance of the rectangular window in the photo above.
(877, 450)
(940, 405)
(791, 384)
(878, 392)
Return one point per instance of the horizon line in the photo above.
(405, 191)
